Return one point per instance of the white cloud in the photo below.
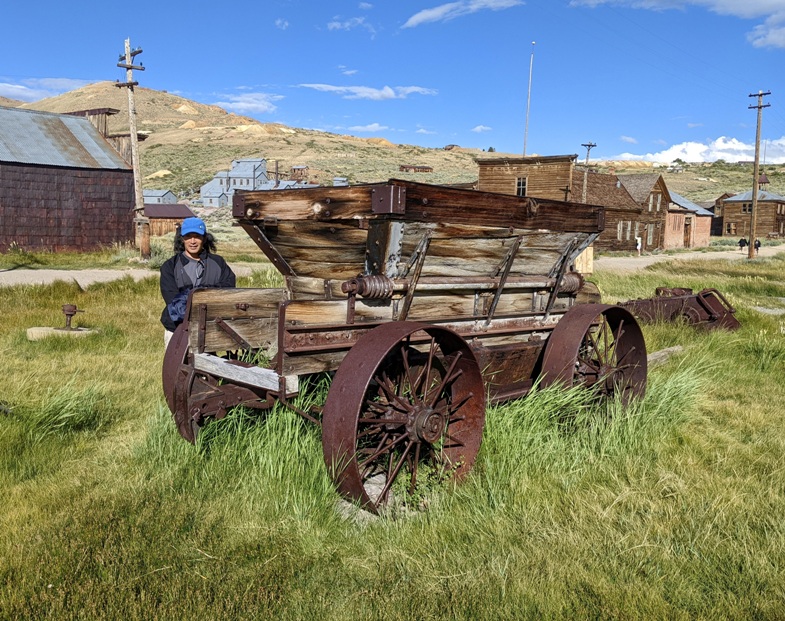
(422, 130)
(250, 103)
(365, 6)
(451, 10)
(373, 94)
(694, 125)
(481, 128)
(372, 127)
(723, 148)
(771, 33)
(346, 71)
(350, 24)
(33, 89)
(281, 24)
(628, 139)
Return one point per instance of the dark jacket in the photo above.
(176, 284)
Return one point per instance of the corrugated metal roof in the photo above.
(45, 138)
(689, 205)
(762, 196)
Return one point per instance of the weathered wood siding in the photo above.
(545, 178)
(766, 220)
(53, 208)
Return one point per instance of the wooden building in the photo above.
(688, 225)
(62, 185)
(165, 218)
(651, 193)
(538, 176)
(733, 215)
(415, 168)
(622, 213)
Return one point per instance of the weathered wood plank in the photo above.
(260, 333)
(250, 376)
(423, 202)
(237, 303)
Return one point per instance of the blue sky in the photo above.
(642, 79)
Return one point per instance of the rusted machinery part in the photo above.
(407, 397)
(600, 346)
(708, 308)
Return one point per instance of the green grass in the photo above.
(669, 509)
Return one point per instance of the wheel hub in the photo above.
(426, 424)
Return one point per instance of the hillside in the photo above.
(10, 103)
(188, 142)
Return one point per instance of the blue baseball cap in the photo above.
(193, 225)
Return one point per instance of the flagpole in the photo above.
(528, 101)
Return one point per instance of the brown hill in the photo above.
(191, 141)
(10, 103)
(188, 142)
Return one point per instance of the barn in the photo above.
(62, 185)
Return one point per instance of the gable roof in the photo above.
(602, 189)
(640, 185)
(48, 139)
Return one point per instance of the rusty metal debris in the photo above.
(69, 310)
(708, 308)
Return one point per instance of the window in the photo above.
(650, 236)
(629, 227)
(619, 230)
(730, 228)
(520, 188)
(651, 201)
(659, 201)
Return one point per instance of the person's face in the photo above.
(193, 244)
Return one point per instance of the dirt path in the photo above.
(21, 276)
(633, 263)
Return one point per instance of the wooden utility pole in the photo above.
(141, 224)
(589, 146)
(755, 171)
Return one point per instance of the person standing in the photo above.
(193, 265)
(742, 244)
(757, 245)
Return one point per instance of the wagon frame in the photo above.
(424, 302)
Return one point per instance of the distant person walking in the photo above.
(193, 265)
(742, 244)
(757, 245)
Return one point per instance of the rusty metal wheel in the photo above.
(599, 346)
(177, 378)
(407, 401)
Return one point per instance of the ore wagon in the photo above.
(423, 303)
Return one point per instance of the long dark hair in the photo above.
(179, 245)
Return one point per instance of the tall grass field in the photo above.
(673, 508)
